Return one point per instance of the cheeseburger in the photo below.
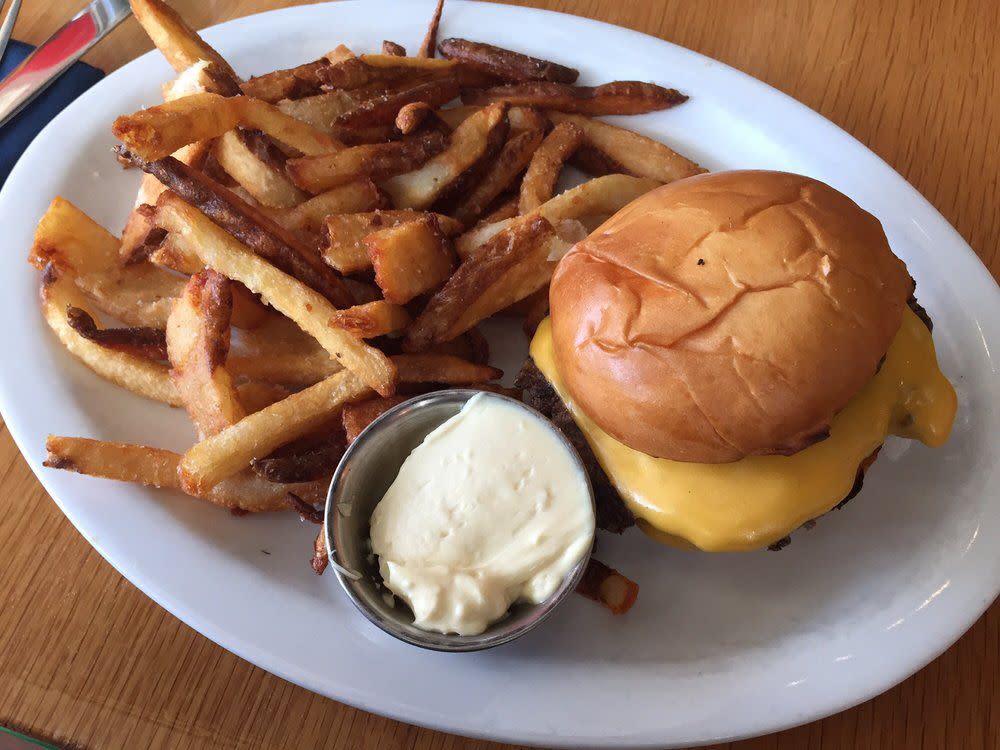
(729, 353)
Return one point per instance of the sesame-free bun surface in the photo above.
(726, 315)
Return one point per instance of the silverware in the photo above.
(8, 26)
(367, 469)
(53, 56)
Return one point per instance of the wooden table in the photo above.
(88, 661)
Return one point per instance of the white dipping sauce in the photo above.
(490, 509)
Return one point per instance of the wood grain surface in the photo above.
(87, 661)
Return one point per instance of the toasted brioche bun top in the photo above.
(726, 315)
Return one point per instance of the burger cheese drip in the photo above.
(753, 502)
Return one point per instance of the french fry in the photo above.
(248, 311)
(608, 587)
(339, 69)
(321, 556)
(411, 116)
(148, 343)
(376, 161)
(509, 162)
(179, 43)
(410, 258)
(640, 156)
(155, 467)
(197, 345)
(256, 395)
(490, 279)
(615, 98)
(268, 186)
(159, 131)
(346, 250)
(310, 311)
(142, 376)
(230, 451)
(504, 207)
(357, 416)
(304, 460)
(446, 369)
(140, 237)
(391, 48)
(543, 172)
(320, 110)
(382, 109)
(504, 63)
(424, 65)
(372, 319)
(469, 142)
(254, 228)
(310, 216)
(430, 38)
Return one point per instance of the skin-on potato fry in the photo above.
(307, 512)
(446, 369)
(469, 142)
(391, 48)
(357, 416)
(310, 216)
(382, 109)
(320, 110)
(346, 250)
(540, 180)
(524, 242)
(266, 185)
(615, 98)
(608, 587)
(248, 224)
(197, 345)
(142, 376)
(159, 131)
(150, 343)
(304, 460)
(178, 42)
(310, 311)
(417, 115)
(376, 161)
(372, 319)
(155, 467)
(321, 556)
(430, 38)
(506, 64)
(230, 451)
(289, 83)
(410, 258)
(638, 155)
(140, 237)
(509, 162)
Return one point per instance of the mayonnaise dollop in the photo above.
(490, 509)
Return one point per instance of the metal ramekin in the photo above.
(368, 467)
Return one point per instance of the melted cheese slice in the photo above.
(756, 501)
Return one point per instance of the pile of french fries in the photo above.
(313, 245)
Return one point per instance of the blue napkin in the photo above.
(19, 132)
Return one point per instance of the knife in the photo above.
(52, 57)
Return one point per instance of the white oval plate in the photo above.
(719, 646)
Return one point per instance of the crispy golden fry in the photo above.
(372, 319)
(410, 258)
(268, 186)
(197, 345)
(256, 395)
(178, 42)
(376, 161)
(320, 110)
(382, 109)
(446, 369)
(357, 416)
(346, 250)
(155, 467)
(140, 237)
(142, 376)
(597, 197)
(411, 116)
(304, 460)
(310, 216)
(391, 48)
(615, 98)
(159, 131)
(639, 155)
(138, 295)
(248, 224)
(312, 312)
(149, 343)
(430, 38)
(213, 459)
(504, 63)
(280, 352)
(489, 280)
(543, 172)
(520, 118)
(469, 142)
(71, 240)
(607, 586)
(509, 162)
(339, 69)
